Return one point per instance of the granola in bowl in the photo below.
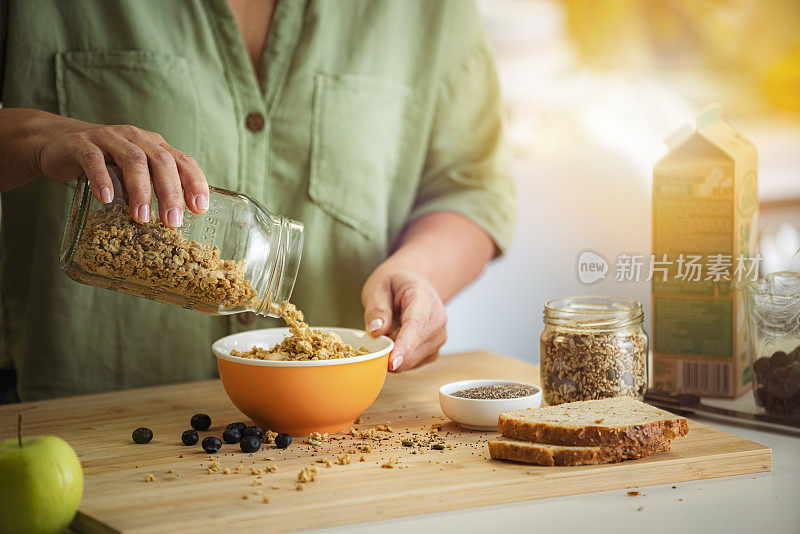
(300, 397)
(303, 343)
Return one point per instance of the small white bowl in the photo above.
(482, 414)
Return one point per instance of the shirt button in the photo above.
(254, 122)
(246, 317)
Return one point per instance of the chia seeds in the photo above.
(497, 391)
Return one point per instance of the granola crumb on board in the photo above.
(316, 439)
(308, 474)
(390, 463)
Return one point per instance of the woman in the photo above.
(376, 124)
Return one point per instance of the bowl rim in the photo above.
(221, 354)
(464, 384)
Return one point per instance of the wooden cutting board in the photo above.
(117, 498)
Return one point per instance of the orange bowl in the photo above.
(300, 397)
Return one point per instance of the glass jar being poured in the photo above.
(235, 257)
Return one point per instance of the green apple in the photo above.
(41, 484)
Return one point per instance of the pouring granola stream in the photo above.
(303, 343)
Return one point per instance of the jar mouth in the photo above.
(289, 250)
(593, 312)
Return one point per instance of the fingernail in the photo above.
(375, 324)
(397, 362)
(174, 217)
(105, 195)
(144, 213)
(201, 201)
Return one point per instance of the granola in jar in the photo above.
(593, 348)
(235, 257)
(152, 256)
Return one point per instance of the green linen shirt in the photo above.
(375, 113)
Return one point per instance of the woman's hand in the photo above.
(72, 147)
(435, 256)
(405, 306)
(62, 149)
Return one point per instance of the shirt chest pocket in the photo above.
(150, 90)
(360, 131)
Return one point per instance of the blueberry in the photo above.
(200, 421)
(250, 444)
(283, 440)
(211, 444)
(142, 435)
(189, 437)
(239, 426)
(253, 431)
(232, 435)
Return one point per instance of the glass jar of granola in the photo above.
(235, 257)
(592, 348)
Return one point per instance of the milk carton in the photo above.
(705, 209)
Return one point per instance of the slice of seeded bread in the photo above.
(614, 422)
(501, 448)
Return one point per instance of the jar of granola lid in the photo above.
(592, 348)
(235, 257)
